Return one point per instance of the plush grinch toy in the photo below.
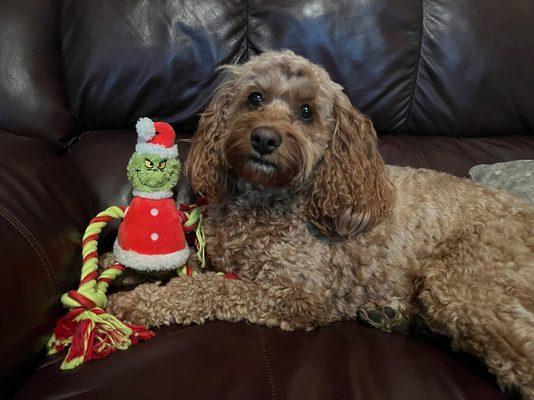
(151, 237)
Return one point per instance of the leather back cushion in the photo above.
(32, 101)
(128, 59)
(419, 67)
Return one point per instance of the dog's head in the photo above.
(279, 121)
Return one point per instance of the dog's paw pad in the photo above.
(375, 316)
(390, 312)
(386, 318)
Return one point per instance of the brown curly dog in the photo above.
(318, 229)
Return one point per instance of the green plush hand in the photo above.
(152, 173)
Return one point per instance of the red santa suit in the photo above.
(151, 235)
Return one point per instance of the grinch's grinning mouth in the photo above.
(146, 184)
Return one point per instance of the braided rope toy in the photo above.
(194, 221)
(87, 330)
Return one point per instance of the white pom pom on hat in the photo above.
(155, 138)
(145, 129)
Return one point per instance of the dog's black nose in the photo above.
(264, 140)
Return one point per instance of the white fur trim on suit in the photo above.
(145, 130)
(152, 195)
(150, 148)
(146, 262)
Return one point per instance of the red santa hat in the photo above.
(155, 138)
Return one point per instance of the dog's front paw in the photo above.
(136, 306)
(124, 306)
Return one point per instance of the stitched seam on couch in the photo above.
(247, 42)
(267, 363)
(416, 69)
(34, 243)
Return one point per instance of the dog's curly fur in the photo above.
(327, 232)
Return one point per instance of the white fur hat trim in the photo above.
(150, 148)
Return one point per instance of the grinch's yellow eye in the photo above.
(148, 163)
(162, 164)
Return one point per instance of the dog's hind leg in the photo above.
(479, 291)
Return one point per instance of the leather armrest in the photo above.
(44, 206)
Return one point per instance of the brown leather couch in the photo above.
(448, 84)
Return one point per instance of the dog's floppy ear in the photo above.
(205, 165)
(350, 191)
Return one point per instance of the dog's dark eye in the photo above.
(306, 112)
(255, 99)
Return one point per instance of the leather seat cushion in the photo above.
(242, 361)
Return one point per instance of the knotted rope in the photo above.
(87, 330)
(192, 222)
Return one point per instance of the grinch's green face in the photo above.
(152, 173)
